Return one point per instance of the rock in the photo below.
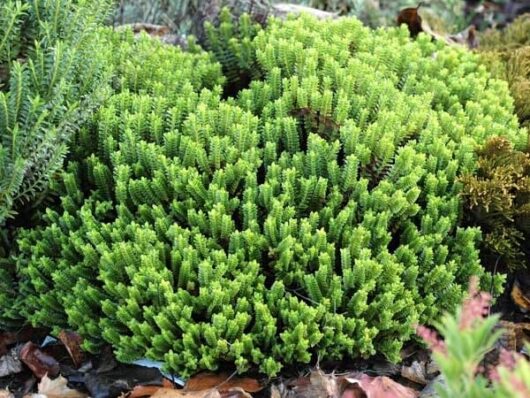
(429, 391)
(10, 363)
(281, 10)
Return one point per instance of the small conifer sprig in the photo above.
(313, 214)
(52, 74)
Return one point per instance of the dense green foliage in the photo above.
(50, 69)
(151, 75)
(312, 214)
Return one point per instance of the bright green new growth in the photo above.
(312, 216)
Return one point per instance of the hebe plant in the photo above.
(162, 70)
(314, 214)
(52, 74)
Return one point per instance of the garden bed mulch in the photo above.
(37, 368)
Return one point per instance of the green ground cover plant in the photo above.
(311, 212)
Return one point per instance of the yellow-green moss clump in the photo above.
(498, 197)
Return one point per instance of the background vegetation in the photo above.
(448, 15)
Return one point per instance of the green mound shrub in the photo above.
(159, 68)
(311, 215)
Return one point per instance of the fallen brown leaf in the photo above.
(327, 384)
(6, 339)
(236, 392)
(299, 382)
(375, 387)
(223, 382)
(411, 17)
(354, 385)
(143, 391)
(41, 364)
(27, 333)
(416, 372)
(72, 341)
(520, 298)
(353, 392)
(57, 388)
(275, 392)
(317, 385)
(172, 393)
